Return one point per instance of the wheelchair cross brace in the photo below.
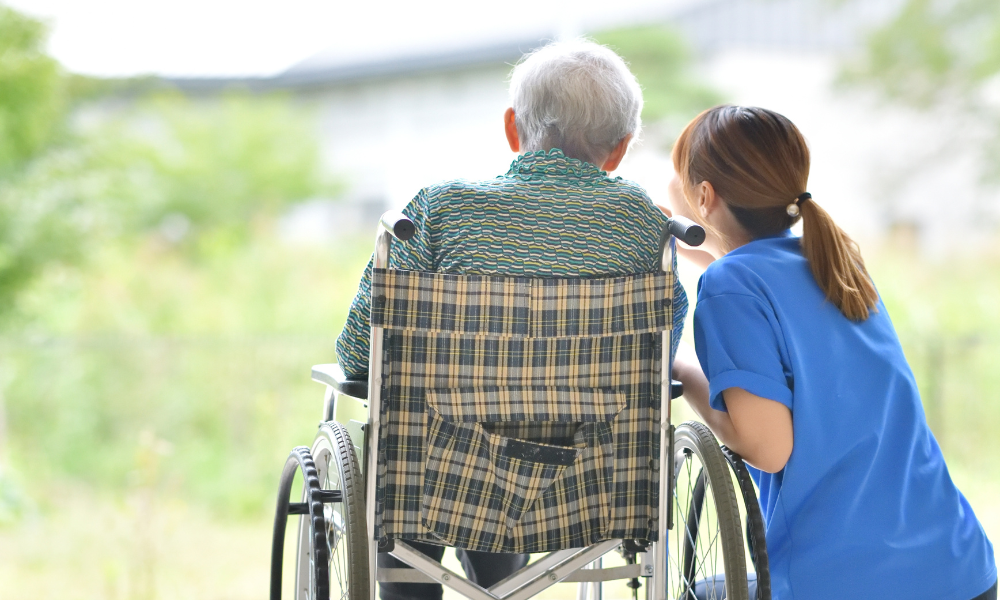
(554, 568)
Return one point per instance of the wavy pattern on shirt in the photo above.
(548, 216)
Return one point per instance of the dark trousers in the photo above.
(483, 568)
(990, 594)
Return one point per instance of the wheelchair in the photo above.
(509, 414)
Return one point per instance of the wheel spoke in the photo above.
(708, 540)
(336, 532)
(344, 574)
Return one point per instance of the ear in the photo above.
(616, 156)
(708, 200)
(510, 129)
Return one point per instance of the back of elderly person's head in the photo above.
(577, 96)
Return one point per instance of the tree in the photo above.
(199, 173)
(661, 61)
(33, 228)
(32, 103)
(202, 172)
(942, 57)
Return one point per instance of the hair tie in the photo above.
(793, 208)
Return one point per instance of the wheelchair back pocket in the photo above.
(493, 453)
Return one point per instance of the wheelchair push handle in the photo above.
(398, 224)
(686, 230)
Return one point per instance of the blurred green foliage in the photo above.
(147, 305)
(32, 100)
(945, 57)
(203, 362)
(200, 176)
(946, 315)
(661, 62)
(934, 52)
(210, 168)
(37, 230)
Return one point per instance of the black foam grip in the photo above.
(686, 231)
(398, 224)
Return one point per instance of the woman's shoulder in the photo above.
(730, 274)
(756, 268)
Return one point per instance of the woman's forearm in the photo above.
(764, 436)
(696, 394)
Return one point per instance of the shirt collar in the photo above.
(777, 236)
(552, 163)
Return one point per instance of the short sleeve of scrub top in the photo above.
(739, 344)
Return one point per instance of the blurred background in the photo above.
(188, 192)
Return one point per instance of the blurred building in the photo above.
(392, 123)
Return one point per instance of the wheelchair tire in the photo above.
(756, 543)
(706, 560)
(345, 534)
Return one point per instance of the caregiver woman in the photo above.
(803, 375)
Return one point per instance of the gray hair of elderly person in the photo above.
(578, 96)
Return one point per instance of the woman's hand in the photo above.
(688, 371)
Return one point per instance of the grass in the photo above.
(82, 545)
(195, 378)
(140, 546)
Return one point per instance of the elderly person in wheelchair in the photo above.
(513, 354)
(556, 213)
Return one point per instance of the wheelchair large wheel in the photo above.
(706, 560)
(755, 530)
(345, 539)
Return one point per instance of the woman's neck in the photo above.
(728, 235)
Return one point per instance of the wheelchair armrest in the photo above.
(333, 376)
(676, 389)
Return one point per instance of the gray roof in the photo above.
(312, 73)
(709, 25)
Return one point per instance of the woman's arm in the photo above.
(758, 429)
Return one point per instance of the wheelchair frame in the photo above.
(558, 565)
(569, 565)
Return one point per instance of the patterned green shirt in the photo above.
(549, 216)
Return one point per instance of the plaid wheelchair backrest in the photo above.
(519, 415)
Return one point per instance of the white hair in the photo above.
(577, 96)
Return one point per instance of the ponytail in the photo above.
(836, 263)
(758, 162)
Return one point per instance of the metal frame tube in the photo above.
(440, 573)
(562, 570)
(329, 404)
(516, 580)
(590, 582)
(660, 548)
(381, 259)
(592, 576)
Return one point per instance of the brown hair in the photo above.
(758, 163)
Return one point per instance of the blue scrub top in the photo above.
(865, 507)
